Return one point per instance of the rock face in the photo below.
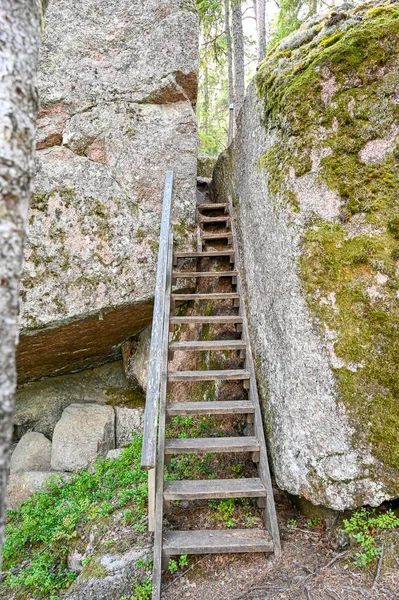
(84, 432)
(32, 453)
(127, 420)
(315, 179)
(117, 80)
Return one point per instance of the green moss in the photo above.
(94, 570)
(349, 271)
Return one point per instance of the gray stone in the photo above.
(127, 421)
(116, 92)
(22, 485)
(75, 561)
(32, 453)
(136, 357)
(113, 454)
(206, 164)
(84, 432)
(40, 404)
(116, 576)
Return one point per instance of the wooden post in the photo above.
(151, 500)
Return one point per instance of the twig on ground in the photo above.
(338, 557)
(361, 591)
(184, 573)
(377, 575)
(333, 594)
(309, 595)
(388, 593)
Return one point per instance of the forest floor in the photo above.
(315, 565)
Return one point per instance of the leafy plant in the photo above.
(41, 530)
(292, 523)
(172, 566)
(363, 527)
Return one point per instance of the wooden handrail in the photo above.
(148, 455)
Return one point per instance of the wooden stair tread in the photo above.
(208, 345)
(217, 407)
(228, 374)
(216, 541)
(210, 206)
(214, 488)
(216, 296)
(210, 254)
(216, 444)
(205, 319)
(221, 219)
(215, 236)
(189, 274)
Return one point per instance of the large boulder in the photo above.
(315, 177)
(84, 432)
(32, 453)
(117, 79)
(136, 356)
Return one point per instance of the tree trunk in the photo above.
(20, 34)
(239, 67)
(261, 22)
(230, 70)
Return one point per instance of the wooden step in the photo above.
(218, 407)
(217, 320)
(215, 236)
(215, 444)
(214, 488)
(192, 274)
(199, 346)
(221, 219)
(216, 541)
(211, 206)
(228, 296)
(210, 254)
(222, 375)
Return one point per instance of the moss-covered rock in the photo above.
(327, 166)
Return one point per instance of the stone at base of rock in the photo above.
(108, 576)
(84, 432)
(127, 420)
(32, 453)
(22, 485)
(311, 511)
(113, 454)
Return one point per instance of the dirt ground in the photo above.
(315, 565)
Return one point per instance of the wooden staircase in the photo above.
(163, 492)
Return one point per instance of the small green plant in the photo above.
(183, 561)
(314, 521)
(172, 566)
(292, 523)
(224, 510)
(363, 526)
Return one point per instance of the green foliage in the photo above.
(224, 510)
(41, 530)
(174, 565)
(363, 526)
(142, 591)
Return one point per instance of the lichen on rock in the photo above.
(323, 185)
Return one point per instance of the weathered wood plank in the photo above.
(215, 236)
(222, 375)
(219, 319)
(211, 206)
(202, 445)
(210, 254)
(157, 562)
(215, 488)
(230, 296)
(198, 346)
(148, 457)
(195, 274)
(222, 219)
(217, 407)
(217, 541)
